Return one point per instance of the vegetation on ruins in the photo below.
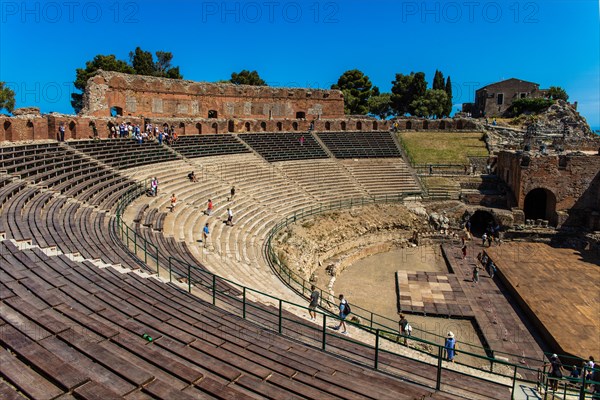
(357, 89)
(245, 77)
(141, 62)
(7, 98)
(557, 93)
(531, 105)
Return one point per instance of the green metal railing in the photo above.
(235, 298)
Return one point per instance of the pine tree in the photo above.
(438, 80)
(448, 90)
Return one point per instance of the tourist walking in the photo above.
(209, 208)
(232, 193)
(483, 239)
(475, 278)
(205, 233)
(491, 269)
(450, 347)
(404, 327)
(173, 202)
(464, 251)
(229, 217)
(314, 302)
(61, 132)
(555, 371)
(344, 308)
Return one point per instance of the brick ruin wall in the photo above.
(45, 127)
(147, 96)
(573, 179)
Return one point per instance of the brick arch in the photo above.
(540, 203)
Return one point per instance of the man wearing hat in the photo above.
(450, 346)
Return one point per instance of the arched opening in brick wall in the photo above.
(279, 126)
(375, 125)
(425, 124)
(181, 130)
(263, 126)
(72, 130)
(343, 126)
(540, 203)
(481, 220)
(247, 126)
(359, 126)
(199, 128)
(327, 126)
(7, 130)
(300, 115)
(94, 129)
(213, 114)
(30, 131)
(230, 126)
(408, 125)
(459, 124)
(295, 126)
(116, 111)
(215, 127)
(442, 125)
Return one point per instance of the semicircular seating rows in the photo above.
(82, 317)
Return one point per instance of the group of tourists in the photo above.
(587, 372)
(210, 208)
(166, 134)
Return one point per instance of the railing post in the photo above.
(492, 360)
(135, 243)
(280, 315)
(303, 283)
(244, 303)
(145, 252)
(371, 323)
(438, 379)
(324, 340)
(512, 396)
(189, 279)
(376, 348)
(170, 271)
(214, 289)
(582, 390)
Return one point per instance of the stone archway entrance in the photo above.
(480, 221)
(540, 203)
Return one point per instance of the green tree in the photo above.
(438, 80)
(448, 90)
(357, 89)
(401, 96)
(432, 104)
(142, 62)
(246, 77)
(381, 105)
(417, 89)
(106, 63)
(557, 93)
(7, 98)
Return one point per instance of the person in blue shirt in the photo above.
(450, 347)
(205, 233)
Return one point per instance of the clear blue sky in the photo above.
(308, 43)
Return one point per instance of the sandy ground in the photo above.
(370, 283)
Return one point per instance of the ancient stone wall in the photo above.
(146, 96)
(572, 179)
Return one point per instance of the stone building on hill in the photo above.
(494, 99)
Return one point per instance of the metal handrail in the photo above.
(381, 333)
